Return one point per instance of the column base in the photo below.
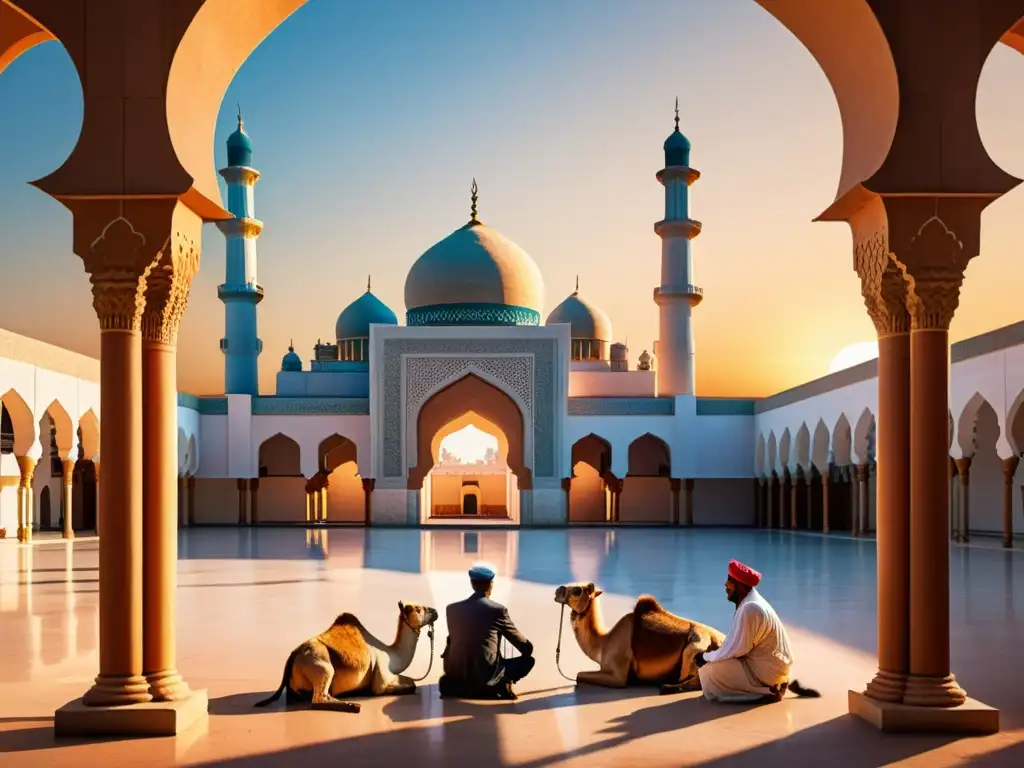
(970, 717)
(164, 718)
(887, 687)
(117, 691)
(68, 535)
(940, 692)
(168, 686)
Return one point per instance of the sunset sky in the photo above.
(369, 120)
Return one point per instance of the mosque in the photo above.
(577, 431)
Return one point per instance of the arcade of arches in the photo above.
(138, 196)
(63, 478)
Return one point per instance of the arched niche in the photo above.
(803, 447)
(89, 435)
(64, 429)
(589, 497)
(649, 456)
(647, 488)
(842, 442)
(337, 459)
(474, 419)
(469, 394)
(280, 456)
(22, 424)
(820, 447)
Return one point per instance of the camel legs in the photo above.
(319, 674)
(392, 685)
(689, 680)
(606, 678)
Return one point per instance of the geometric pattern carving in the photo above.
(310, 406)
(472, 314)
(527, 368)
(622, 406)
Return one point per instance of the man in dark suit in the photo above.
(473, 666)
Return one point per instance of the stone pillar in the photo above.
(794, 490)
(892, 516)
(27, 466)
(770, 499)
(68, 467)
(118, 262)
(782, 497)
(309, 499)
(1009, 470)
(254, 497)
(242, 484)
(191, 500)
(826, 481)
(368, 484)
(954, 508)
(688, 502)
(323, 501)
(861, 510)
(963, 471)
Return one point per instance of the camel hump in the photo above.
(650, 615)
(347, 620)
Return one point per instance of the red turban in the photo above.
(743, 574)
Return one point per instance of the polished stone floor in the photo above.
(247, 596)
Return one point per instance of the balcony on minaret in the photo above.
(673, 172)
(248, 291)
(691, 293)
(688, 228)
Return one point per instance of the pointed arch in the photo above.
(280, 456)
(803, 447)
(1015, 424)
(773, 466)
(64, 429)
(649, 456)
(594, 451)
(182, 451)
(470, 418)
(759, 451)
(333, 451)
(24, 426)
(967, 422)
(820, 446)
(785, 449)
(89, 435)
(193, 456)
(842, 443)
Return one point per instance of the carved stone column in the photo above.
(862, 499)
(885, 295)
(368, 484)
(242, 484)
(323, 500)
(794, 495)
(27, 466)
(1009, 470)
(954, 507)
(254, 498)
(770, 499)
(963, 472)
(191, 501)
(826, 480)
(67, 485)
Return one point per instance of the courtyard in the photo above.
(247, 596)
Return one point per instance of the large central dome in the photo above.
(475, 276)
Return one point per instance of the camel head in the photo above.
(577, 596)
(417, 616)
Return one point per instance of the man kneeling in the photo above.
(473, 666)
(754, 663)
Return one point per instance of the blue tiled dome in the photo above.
(240, 147)
(291, 361)
(677, 150)
(355, 320)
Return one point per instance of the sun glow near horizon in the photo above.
(853, 354)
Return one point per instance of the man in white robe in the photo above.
(754, 663)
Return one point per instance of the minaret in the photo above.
(677, 295)
(241, 291)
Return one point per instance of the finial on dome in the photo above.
(473, 198)
(240, 123)
(368, 283)
(577, 285)
(677, 113)
(291, 345)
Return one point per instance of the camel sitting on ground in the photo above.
(648, 646)
(347, 658)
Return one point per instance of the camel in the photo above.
(648, 646)
(347, 658)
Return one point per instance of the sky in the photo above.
(370, 119)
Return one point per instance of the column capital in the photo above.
(675, 483)
(368, 484)
(862, 473)
(68, 467)
(170, 278)
(27, 465)
(1010, 468)
(963, 468)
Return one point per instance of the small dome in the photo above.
(587, 320)
(291, 361)
(355, 320)
(475, 276)
(677, 146)
(240, 147)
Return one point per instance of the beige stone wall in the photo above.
(34, 352)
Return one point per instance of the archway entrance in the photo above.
(470, 455)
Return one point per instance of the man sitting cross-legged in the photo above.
(473, 666)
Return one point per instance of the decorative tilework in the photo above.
(188, 401)
(472, 314)
(542, 402)
(310, 406)
(622, 406)
(724, 406)
(213, 406)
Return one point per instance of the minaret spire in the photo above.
(472, 200)
(577, 285)
(241, 125)
(677, 113)
(368, 283)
